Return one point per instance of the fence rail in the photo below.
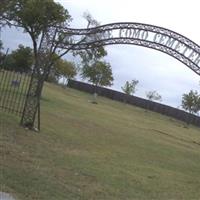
(133, 100)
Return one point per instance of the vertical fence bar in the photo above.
(18, 95)
(22, 91)
(27, 80)
(2, 83)
(9, 90)
(13, 92)
(5, 85)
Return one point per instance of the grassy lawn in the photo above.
(108, 151)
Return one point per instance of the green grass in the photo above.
(108, 151)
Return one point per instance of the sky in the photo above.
(154, 70)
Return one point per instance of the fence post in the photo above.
(32, 102)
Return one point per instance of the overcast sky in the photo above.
(153, 69)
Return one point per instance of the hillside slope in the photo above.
(108, 151)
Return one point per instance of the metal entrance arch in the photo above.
(154, 37)
(158, 38)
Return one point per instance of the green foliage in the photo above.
(90, 56)
(3, 7)
(91, 21)
(66, 69)
(153, 96)
(35, 16)
(191, 102)
(62, 69)
(93, 68)
(130, 87)
(20, 60)
(38, 18)
(99, 73)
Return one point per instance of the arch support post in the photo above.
(32, 103)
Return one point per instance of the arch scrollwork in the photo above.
(154, 37)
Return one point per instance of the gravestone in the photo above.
(6, 196)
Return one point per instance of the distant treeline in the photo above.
(140, 102)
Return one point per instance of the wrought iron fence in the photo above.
(13, 90)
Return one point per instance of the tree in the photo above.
(99, 73)
(153, 96)
(62, 70)
(93, 67)
(191, 102)
(20, 60)
(130, 87)
(38, 18)
(66, 70)
(94, 53)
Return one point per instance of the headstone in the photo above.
(15, 83)
(6, 196)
